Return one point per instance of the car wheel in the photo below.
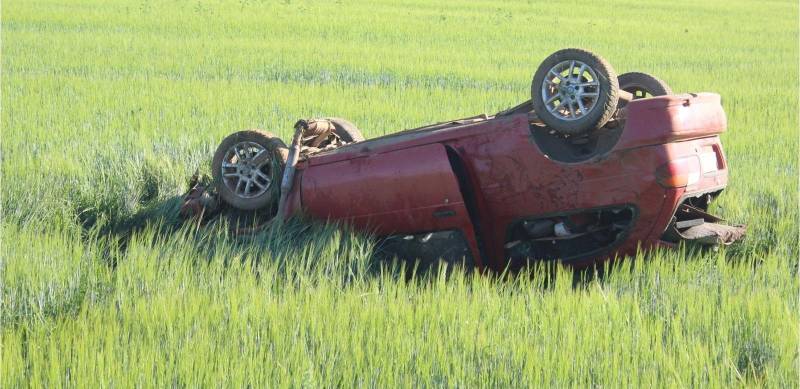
(247, 169)
(348, 132)
(574, 91)
(643, 85)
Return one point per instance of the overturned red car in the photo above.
(592, 167)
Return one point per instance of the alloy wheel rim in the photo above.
(242, 174)
(570, 90)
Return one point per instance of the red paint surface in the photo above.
(400, 183)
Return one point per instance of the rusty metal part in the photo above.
(201, 205)
(318, 131)
(713, 234)
(320, 135)
(625, 97)
(316, 127)
(289, 170)
(199, 202)
(695, 225)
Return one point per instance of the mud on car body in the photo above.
(593, 166)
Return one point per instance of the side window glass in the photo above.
(428, 248)
(569, 235)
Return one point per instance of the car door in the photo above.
(412, 192)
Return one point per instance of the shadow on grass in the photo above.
(297, 245)
(301, 243)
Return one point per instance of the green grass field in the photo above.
(109, 107)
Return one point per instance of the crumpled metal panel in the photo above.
(713, 234)
(694, 224)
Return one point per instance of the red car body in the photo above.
(483, 178)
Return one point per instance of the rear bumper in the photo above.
(674, 222)
(707, 179)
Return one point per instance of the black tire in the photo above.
(346, 130)
(600, 110)
(642, 84)
(272, 168)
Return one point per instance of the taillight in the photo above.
(679, 172)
